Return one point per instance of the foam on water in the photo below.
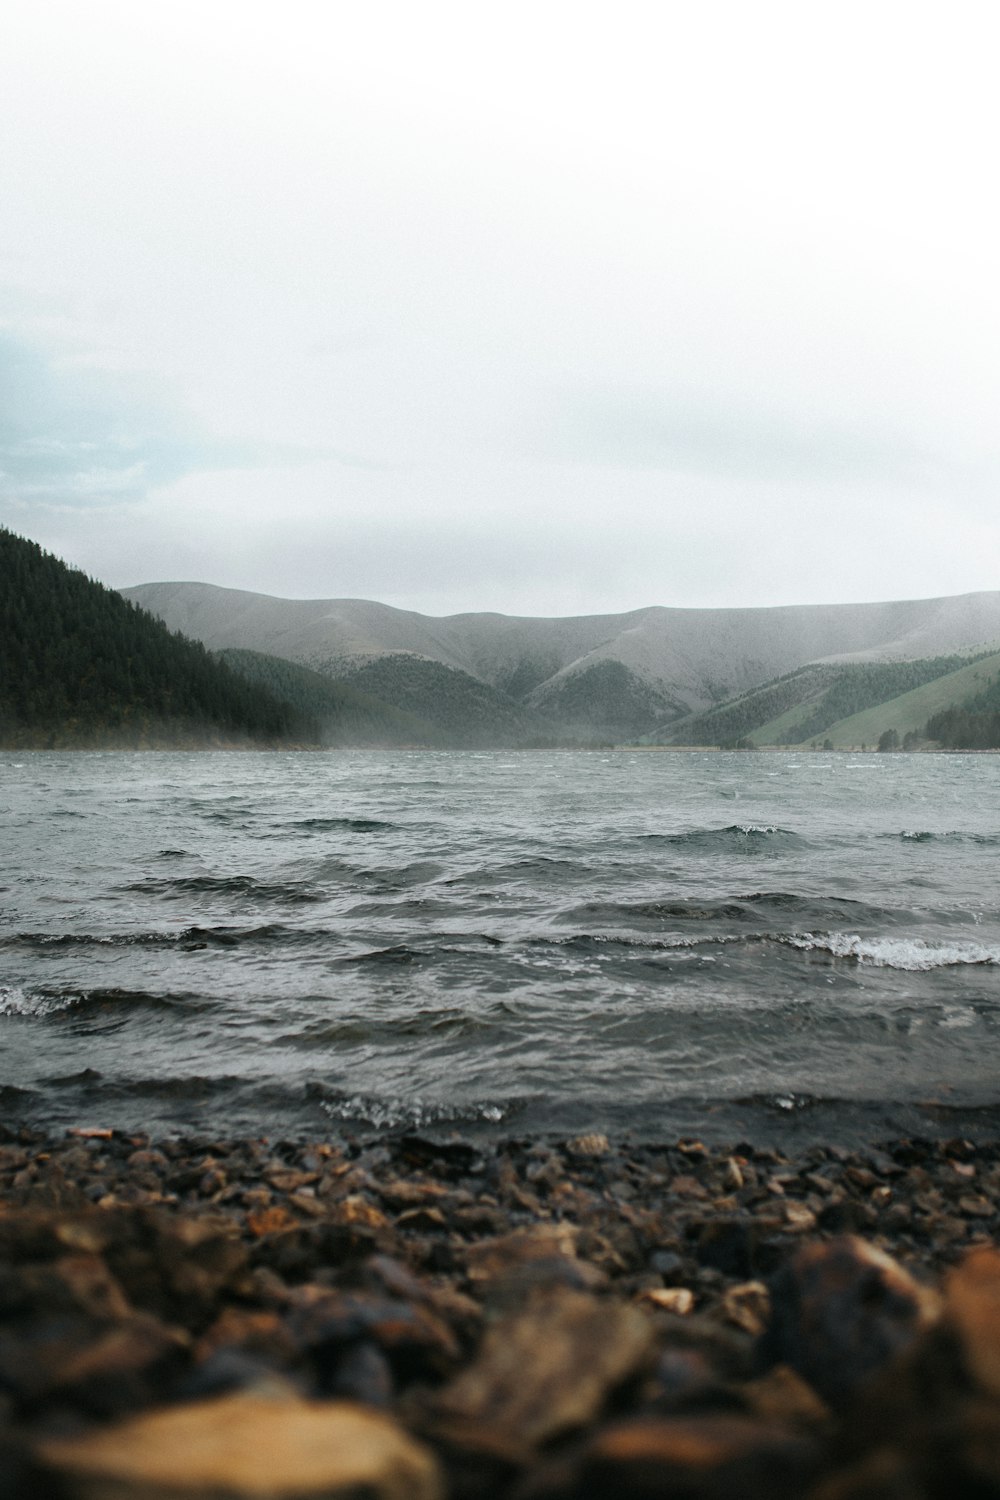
(914, 955)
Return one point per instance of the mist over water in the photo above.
(770, 945)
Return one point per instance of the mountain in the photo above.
(82, 667)
(343, 714)
(642, 674)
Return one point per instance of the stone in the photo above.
(673, 1299)
(841, 1312)
(972, 1309)
(592, 1146)
(697, 1458)
(747, 1306)
(548, 1368)
(247, 1447)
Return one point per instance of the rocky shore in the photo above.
(408, 1319)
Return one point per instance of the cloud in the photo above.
(685, 432)
(78, 435)
(74, 434)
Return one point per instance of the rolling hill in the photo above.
(643, 675)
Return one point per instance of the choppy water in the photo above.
(294, 943)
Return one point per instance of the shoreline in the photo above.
(644, 1295)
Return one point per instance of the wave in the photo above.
(348, 825)
(949, 836)
(187, 938)
(227, 885)
(15, 1001)
(388, 1113)
(48, 1001)
(738, 837)
(811, 910)
(911, 955)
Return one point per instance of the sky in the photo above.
(548, 308)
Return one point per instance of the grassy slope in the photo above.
(910, 711)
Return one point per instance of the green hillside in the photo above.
(344, 714)
(464, 712)
(605, 701)
(910, 712)
(80, 667)
(850, 692)
(785, 699)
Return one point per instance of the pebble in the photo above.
(247, 1448)
(524, 1320)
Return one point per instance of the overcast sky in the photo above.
(546, 308)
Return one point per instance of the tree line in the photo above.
(81, 666)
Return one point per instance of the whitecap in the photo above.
(17, 1002)
(910, 954)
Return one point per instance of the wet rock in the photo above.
(840, 1313)
(547, 1369)
(244, 1447)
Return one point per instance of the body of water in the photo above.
(293, 944)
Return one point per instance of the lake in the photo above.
(736, 945)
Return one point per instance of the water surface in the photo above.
(753, 944)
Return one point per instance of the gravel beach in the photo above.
(532, 1318)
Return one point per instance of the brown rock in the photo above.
(972, 1307)
(102, 1368)
(747, 1306)
(587, 1146)
(841, 1312)
(548, 1368)
(697, 1458)
(782, 1396)
(285, 1180)
(244, 1447)
(273, 1220)
(674, 1299)
(508, 1254)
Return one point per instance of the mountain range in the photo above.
(658, 674)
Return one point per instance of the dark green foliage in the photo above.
(605, 699)
(971, 725)
(81, 667)
(464, 712)
(888, 740)
(527, 675)
(959, 729)
(344, 714)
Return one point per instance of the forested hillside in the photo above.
(466, 713)
(82, 667)
(343, 714)
(971, 725)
